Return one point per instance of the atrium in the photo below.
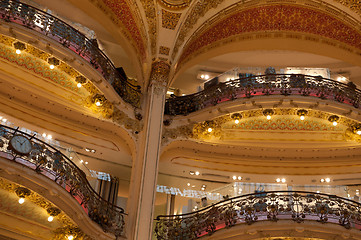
(180, 119)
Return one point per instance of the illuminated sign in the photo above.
(189, 193)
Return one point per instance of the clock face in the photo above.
(20, 145)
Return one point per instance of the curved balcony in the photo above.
(61, 32)
(266, 206)
(48, 161)
(263, 85)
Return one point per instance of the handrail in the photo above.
(56, 29)
(263, 206)
(260, 85)
(51, 163)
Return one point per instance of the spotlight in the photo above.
(70, 237)
(334, 123)
(86, 163)
(283, 180)
(78, 85)
(327, 180)
(197, 173)
(278, 180)
(239, 178)
(322, 180)
(50, 218)
(268, 113)
(359, 132)
(236, 121)
(53, 62)
(19, 46)
(302, 118)
(234, 177)
(21, 200)
(210, 130)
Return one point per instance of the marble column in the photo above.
(139, 225)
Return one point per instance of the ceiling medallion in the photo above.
(175, 4)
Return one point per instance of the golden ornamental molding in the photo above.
(151, 16)
(160, 72)
(198, 11)
(175, 4)
(170, 19)
(249, 4)
(67, 224)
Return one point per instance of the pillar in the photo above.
(139, 224)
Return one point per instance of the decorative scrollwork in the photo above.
(264, 206)
(271, 84)
(48, 161)
(69, 37)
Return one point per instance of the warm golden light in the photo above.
(268, 117)
(359, 132)
(239, 178)
(71, 237)
(79, 85)
(283, 180)
(210, 130)
(236, 121)
(234, 177)
(327, 180)
(98, 104)
(197, 173)
(21, 200)
(278, 180)
(302, 118)
(50, 218)
(52, 66)
(334, 123)
(18, 51)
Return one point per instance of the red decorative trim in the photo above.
(275, 18)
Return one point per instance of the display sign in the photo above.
(189, 193)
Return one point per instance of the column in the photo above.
(139, 225)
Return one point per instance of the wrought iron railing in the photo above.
(266, 206)
(272, 84)
(48, 161)
(56, 29)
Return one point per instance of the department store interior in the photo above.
(180, 119)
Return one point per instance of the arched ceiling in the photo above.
(181, 32)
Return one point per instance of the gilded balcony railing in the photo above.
(272, 84)
(59, 31)
(266, 206)
(35, 154)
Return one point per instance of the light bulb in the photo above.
(197, 173)
(21, 200)
(268, 117)
(44, 135)
(52, 66)
(328, 180)
(359, 132)
(239, 178)
(302, 118)
(210, 130)
(71, 237)
(278, 180)
(188, 184)
(49, 137)
(98, 103)
(322, 180)
(334, 123)
(234, 177)
(79, 85)
(236, 121)
(18, 51)
(86, 163)
(50, 218)
(283, 180)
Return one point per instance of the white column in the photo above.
(139, 224)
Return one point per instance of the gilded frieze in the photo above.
(170, 19)
(151, 15)
(41, 202)
(198, 11)
(354, 5)
(122, 15)
(284, 120)
(164, 50)
(271, 18)
(175, 4)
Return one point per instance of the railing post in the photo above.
(145, 165)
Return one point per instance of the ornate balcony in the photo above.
(265, 206)
(44, 159)
(263, 85)
(61, 32)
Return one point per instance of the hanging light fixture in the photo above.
(53, 62)
(19, 46)
(268, 113)
(53, 212)
(334, 119)
(302, 113)
(22, 193)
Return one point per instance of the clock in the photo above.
(20, 145)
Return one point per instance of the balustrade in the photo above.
(48, 161)
(59, 31)
(264, 85)
(266, 206)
